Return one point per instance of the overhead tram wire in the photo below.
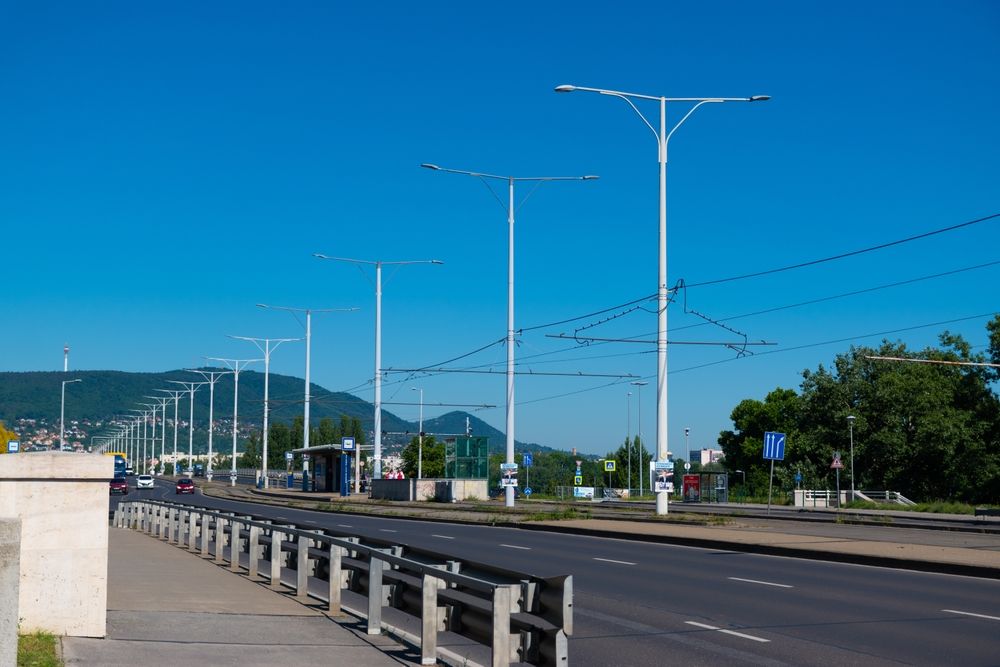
(852, 253)
(787, 349)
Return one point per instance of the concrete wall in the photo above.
(441, 490)
(10, 559)
(61, 499)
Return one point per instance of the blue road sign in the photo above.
(798, 477)
(527, 491)
(774, 446)
(347, 444)
(527, 460)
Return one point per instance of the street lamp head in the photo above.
(589, 177)
(427, 165)
(850, 419)
(759, 98)
(436, 261)
(565, 89)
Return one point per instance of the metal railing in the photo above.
(520, 617)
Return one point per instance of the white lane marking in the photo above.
(969, 613)
(344, 525)
(387, 530)
(281, 518)
(611, 560)
(728, 632)
(514, 546)
(443, 537)
(762, 583)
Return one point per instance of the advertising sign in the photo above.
(691, 488)
(583, 492)
(508, 474)
(664, 480)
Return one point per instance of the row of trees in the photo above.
(929, 431)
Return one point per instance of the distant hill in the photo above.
(102, 395)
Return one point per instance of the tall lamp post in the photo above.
(176, 395)
(163, 430)
(236, 366)
(305, 410)
(662, 140)
(639, 384)
(628, 437)
(62, 413)
(211, 377)
(190, 388)
(420, 435)
(850, 426)
(510, 180)
(267, 350)
(378, 264)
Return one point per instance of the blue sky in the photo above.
(166, 166)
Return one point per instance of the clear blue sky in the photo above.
(166, 166)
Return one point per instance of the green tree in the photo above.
(433, 457)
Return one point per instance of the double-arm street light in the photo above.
(511, 208)
(305, 410)
(176, 395)
(662, 140)
(189, 388)
(236, 367)
(265, 346)
(163, 400)
(62, 413)
(211, 377)
(378, 342)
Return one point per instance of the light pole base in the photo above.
(662, 502)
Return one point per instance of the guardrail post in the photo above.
(220, 539)
(235, 544)
(192, 530)
(169, 527)
(276, 539)
(336, 578)
(203, 531)
(302, 568)
(375, 568)
(253, 547)
(500, 647)
(429, 619)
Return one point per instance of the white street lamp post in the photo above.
(643, 471)
(509, 490)
(305, 410)
(236, 366)
(176, 395)
(377, 472)
(267, 350)
(420, 435)
(189, 388)
(628, 437)
(211, 377)
(163, 431)
(62, 413)
(152, 409)
(850, 426)
(662, 140)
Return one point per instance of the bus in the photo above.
(120, 464)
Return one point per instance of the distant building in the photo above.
(705, 456)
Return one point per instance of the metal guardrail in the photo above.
(521, 617)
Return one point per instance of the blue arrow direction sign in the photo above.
(527, 460)
(774, 446)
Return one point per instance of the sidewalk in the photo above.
(169, 607)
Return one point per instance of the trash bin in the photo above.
(290, 481)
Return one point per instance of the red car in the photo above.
(184, 486)
(119, 486)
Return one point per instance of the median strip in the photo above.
(514, 546)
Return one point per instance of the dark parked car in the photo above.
(119, 485)
(184, 485)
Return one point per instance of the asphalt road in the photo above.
(650, 604)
